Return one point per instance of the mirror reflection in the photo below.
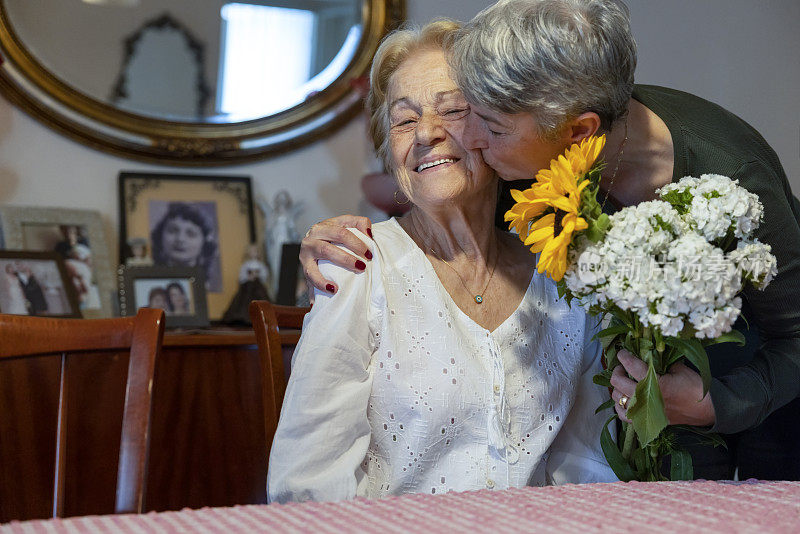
(213, 61)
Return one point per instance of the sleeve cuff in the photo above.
(739, 403)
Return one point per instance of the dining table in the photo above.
(619, 507)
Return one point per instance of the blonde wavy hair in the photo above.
(396, 47)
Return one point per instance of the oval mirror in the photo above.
(191, 82)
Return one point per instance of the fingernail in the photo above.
(369, 232)
(360, 265)
(330, 288)
(368, 255)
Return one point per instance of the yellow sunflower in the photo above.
(553, 203)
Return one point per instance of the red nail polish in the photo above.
(368, 255)
(360, 265)
(330, 288)
(369, 232)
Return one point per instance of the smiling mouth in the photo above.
(436, 163)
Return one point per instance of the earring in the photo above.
(397, 201)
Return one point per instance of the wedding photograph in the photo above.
(36, 284)
(79, 237)
(71, 242)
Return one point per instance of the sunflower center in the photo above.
(557, 226)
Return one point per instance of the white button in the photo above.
(497, 388)
(489, 483)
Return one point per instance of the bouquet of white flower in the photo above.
(667, 273)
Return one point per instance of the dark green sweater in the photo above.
(751, 382)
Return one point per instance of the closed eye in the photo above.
(406, 122)
(455, 113)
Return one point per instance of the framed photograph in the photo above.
(78, 236)
(179, 291)
(292, 289)
(177, 220)
(36, 283)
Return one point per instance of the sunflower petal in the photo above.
(541, 234)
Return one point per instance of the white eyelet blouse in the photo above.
(394, 389)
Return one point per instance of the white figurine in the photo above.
(280, 228)
(138, 253)
(253, 268)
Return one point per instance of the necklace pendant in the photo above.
(479, 299)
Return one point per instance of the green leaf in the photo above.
(673, 355)
(603, 378)
(680, 465)
(646, 356)
(594, 234)
(681, 199)
(621, 316)
(614, 331)
(659, 340)
(693, 350)
(639, 459)
(746, 322)
(606, 405)
(602, 222)
(631, 343)
(614, 455)
(609, 342)
(734, 336)
(611, 358)
(646, 408)
(564, 292)
(707, 438)
(598, 221)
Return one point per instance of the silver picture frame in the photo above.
(190, 282)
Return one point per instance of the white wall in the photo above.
(739, 53)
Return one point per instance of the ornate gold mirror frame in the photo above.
(30, 86)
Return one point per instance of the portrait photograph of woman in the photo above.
(185, 234)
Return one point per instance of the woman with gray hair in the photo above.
(450, 365)
(542, 74)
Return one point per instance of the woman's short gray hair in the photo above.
(393, 51)
(554, 59)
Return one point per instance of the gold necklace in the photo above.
(616, 167)
(479, 297)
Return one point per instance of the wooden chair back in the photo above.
(30, 337)
(268, 320)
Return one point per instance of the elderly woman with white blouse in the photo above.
(449, 365)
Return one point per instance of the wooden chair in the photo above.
(268, 319)
(30, 337)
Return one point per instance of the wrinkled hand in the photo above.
(681, 387)
(319, 244)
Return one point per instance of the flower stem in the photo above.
(628, 444)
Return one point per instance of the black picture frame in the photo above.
(287, 279)
(226, 204)
(55, 289)
(135, 282)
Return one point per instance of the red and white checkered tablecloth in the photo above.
(620, 508)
